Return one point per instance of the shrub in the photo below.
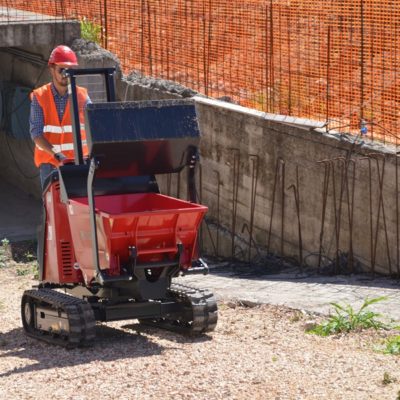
(346, 319)
(90, 31)
(392, 345)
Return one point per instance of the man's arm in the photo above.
(36, 130)
(44, 144)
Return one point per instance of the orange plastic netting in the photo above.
(336, 61)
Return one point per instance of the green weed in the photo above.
(28, 269)
(5, 252)
(392, 345)
(90, 30)
(387, 379)
(22, 271)
(29, 256)
(35, 271)
(296, 317)
(346, 319)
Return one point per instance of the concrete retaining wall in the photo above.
(288, 158)
(258, 168)
(37, 33)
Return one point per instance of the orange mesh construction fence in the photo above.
(330, 60)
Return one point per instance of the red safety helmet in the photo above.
(63, 55)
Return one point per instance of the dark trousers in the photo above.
(44, 172)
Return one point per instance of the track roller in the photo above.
(57, 318)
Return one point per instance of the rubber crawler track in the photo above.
(79, 313)
(201, 311)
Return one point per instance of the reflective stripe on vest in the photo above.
(64, 147)
(59, 129)
(59, 133)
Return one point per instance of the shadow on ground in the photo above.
(111, 344)
(24, 251)
(165, 334)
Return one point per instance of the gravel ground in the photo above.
(255, 353)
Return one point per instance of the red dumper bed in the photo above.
(152, 223)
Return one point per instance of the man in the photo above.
(50, 117)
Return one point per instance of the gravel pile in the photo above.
(161, 84)
(93, 52)
(255, 353)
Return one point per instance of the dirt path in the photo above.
(255, 353)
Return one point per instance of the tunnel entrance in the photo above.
(20, 202)
(26, 40)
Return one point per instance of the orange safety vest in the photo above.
(59, 134)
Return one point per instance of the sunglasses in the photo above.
(60, 70)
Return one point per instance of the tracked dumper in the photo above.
(110, 243)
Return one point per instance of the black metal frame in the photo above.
(130, 310)
(71, 74)
(108, 74)
(93, 227)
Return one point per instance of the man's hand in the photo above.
(60, 157)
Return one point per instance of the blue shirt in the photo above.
(36, 118)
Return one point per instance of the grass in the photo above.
(346, 319)
(296, 317)
(29, 256)
(22, 271)
(22, 255)
(5, 252)
(392, 345)
(28, 269)
(90, 30)
(388, 379)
